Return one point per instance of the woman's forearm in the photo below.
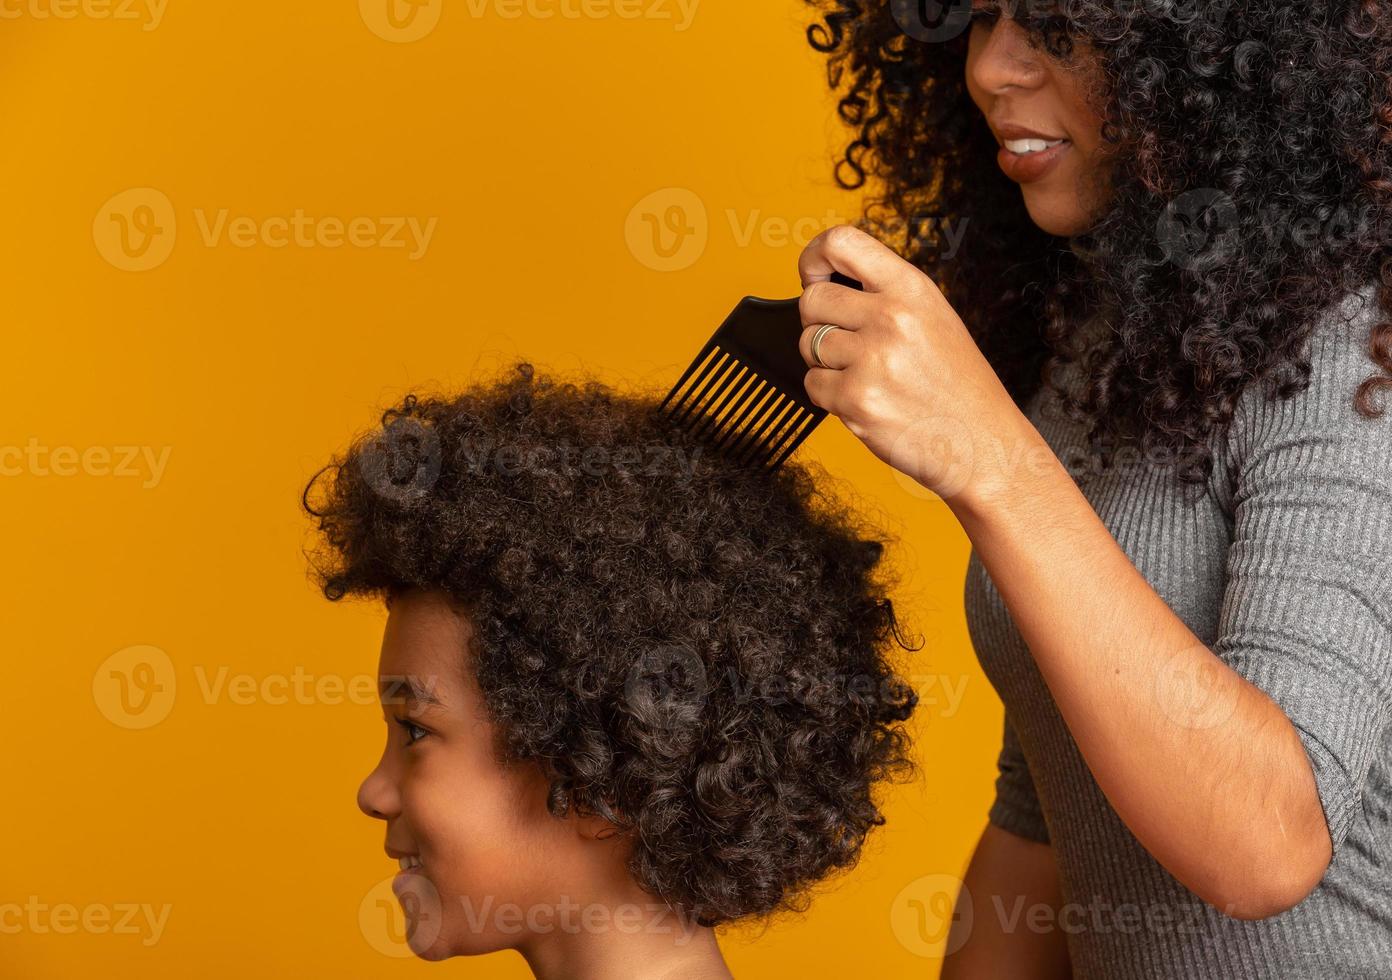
(1217, 787)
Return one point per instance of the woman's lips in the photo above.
(1026, 167)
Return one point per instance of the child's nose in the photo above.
(377, 796)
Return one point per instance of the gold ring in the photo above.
(822, 331)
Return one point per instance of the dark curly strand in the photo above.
(694, 650)
(1231, 107)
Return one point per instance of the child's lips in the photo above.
(410, 866)
(406, 878)
(408, 861)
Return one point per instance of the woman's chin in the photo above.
(1052, 216)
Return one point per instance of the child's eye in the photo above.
(414, 732)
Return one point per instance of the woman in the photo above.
(1146, 383)
(632, 690)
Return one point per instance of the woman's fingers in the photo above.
(827, 302)
(852, 252)
(823, 389)
(838, 348)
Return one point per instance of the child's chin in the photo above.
(443, 946)
(433, 953)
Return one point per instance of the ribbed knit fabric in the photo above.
(1284, 570)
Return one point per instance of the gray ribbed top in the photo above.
(1284, 569)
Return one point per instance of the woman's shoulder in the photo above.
(1339, 342)
(1339, 349)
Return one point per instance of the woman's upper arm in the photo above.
(1016, 806)
(1006, 921)
(1307, 611)
(1011, 886)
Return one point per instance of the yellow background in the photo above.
(537, 145)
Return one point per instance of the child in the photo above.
(633, 690)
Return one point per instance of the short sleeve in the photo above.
(1016, 806)
(1307, 610)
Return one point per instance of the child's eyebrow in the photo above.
(408, 689)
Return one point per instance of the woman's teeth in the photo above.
(1031, 146)
(411, 861)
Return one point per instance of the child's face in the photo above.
(486, 844)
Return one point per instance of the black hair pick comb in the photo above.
(744, 392)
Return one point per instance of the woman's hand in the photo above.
(1220, 790)
(1229, 805)
(905, 375)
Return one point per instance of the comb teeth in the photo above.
(734, 378)
(720, 398)
(756, 439)
(730, 406)
(797, 430)
(745, 392)
(695, 398)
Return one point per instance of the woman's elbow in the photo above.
(1278, 886)
(1262, 903)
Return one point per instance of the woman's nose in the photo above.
(1007, 59)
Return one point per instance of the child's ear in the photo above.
(596, 827)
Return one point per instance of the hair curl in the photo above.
(693, 649)
(1223, 109)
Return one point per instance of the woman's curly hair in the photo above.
(693, 649)
(1267, 123)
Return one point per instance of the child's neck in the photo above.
(635, 943)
